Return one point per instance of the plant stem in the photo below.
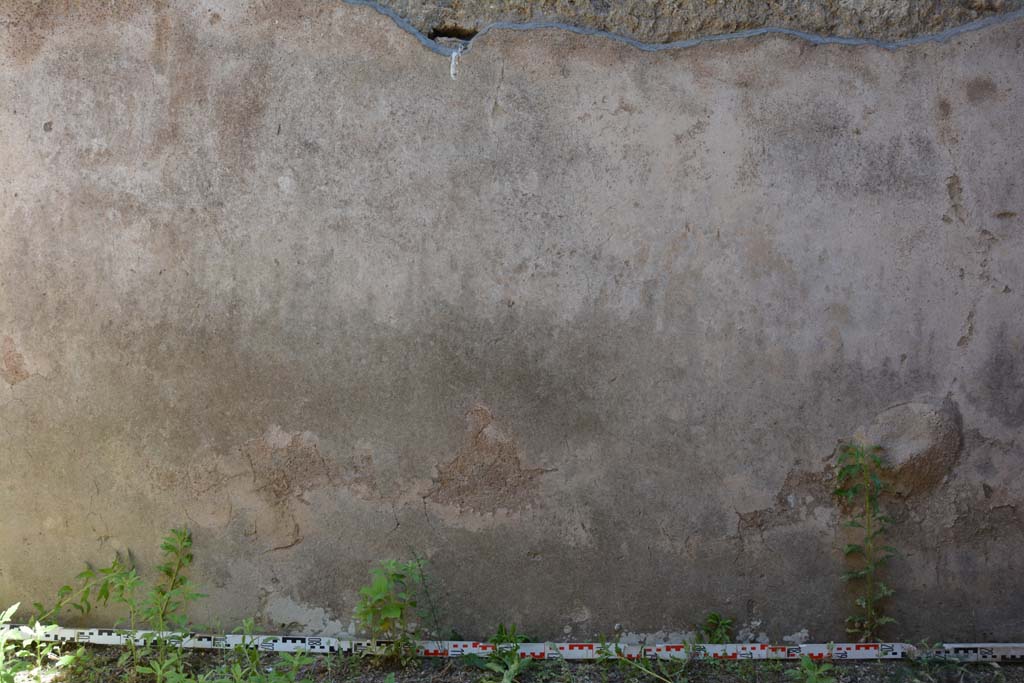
(162, 614)
(869, 553)
(649, 671)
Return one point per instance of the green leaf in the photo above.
(8, 614)
(475, 660)
(66, 660)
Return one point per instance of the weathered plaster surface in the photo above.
(666, 21)
(582, 326)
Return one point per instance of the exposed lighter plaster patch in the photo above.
(283, 612)
(798, 638)
(751, 632)
(639, 637)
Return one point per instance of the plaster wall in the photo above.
(582, 326)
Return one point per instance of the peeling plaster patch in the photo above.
(921, 441)
(470, 521)
(793, 503)
(368, 472)
(634, 638)
(751, 632)
(12, 363)
(798, 638)
(260, 486)
(282, 612)
(286, 465)
(955, 190)
(275, 437)
(580, 615)
(824, 516)
(286, 184)
(487, 474)
(359, 474)
(968, 333)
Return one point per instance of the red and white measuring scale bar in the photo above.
(963, 652)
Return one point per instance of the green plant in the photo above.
(162, 668)
(859, 484)
(90, 666)
(504, 660)
(716, 629)
(644, 666)
(28, 648)
(930, 665)
(737, 669)
(293, 663)
(386, 607)
(93, 585)
(607, 655)
(506, 663)
(670, 671)
(566, 671)
(123, 587)
(353, 667)
(244, 662)
(428, 613)
(165, 606)
(508, 635)
(810, 671)
(162, 607)
(12, 655)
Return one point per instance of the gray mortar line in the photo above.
(813, 38)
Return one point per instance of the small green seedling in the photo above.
(716, 630)
(12, 653)
(505, 661)
(28, 649)
(811, 671)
